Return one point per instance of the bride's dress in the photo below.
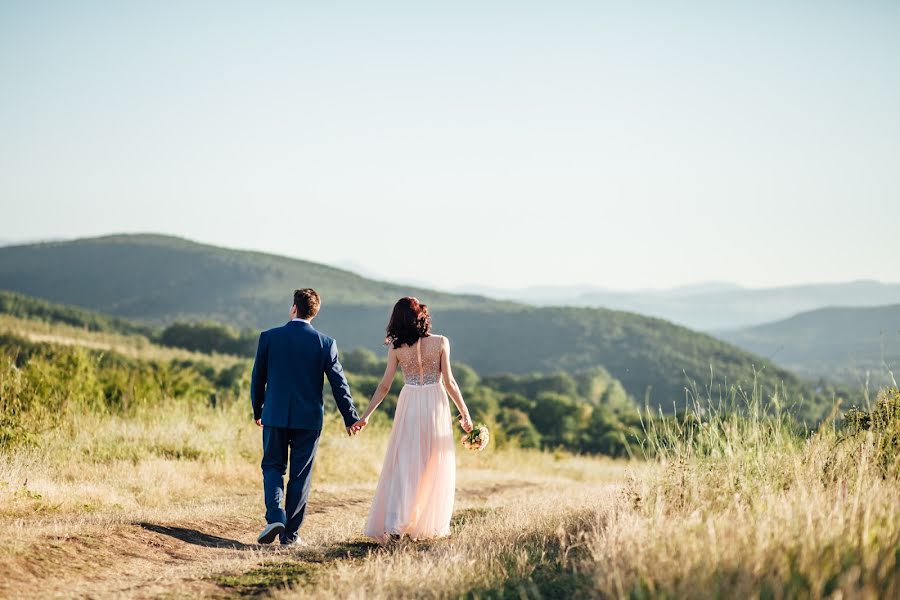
(417, 484)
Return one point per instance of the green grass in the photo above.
(29, 307)
(262, 580)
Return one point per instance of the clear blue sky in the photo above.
(622, 144)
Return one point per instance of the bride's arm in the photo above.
(382, 390)
(453, 387)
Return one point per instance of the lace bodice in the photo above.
(424, 371)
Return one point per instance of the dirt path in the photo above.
(213, 556)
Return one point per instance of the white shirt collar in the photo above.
(301, 320)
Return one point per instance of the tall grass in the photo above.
(731, 499)
(730, 504)
(741, 506)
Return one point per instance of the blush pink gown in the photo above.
(416, 488)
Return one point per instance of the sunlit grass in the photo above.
(131, 345)
(735, 503)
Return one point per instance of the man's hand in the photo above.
(359, 425)
(258, 422)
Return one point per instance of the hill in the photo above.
(842, 344)
(158, 280)
(712, 306)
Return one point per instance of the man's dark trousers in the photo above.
(303, 444)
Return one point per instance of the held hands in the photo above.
(358, 426)
(465, 421)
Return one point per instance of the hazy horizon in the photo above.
(369, 273)
(626, 146)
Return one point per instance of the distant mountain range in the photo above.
(158, 279)
(847, 344)
(710, 306)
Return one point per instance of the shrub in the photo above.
(43, 386)
(882, 426)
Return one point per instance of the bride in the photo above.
(415, 492)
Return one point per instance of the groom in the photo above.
(286, 393)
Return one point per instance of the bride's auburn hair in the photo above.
(409, 322)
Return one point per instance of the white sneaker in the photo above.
(268, 535)
(297, 541)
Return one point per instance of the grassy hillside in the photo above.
(588, 412)
(725, 505)
(842, 344)
(29, 307)
(157, 279)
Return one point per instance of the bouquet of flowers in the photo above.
(477, 439)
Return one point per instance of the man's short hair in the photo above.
(307, 302)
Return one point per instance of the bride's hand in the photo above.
(359, 425)
(466, 423)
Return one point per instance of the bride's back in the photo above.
(421, 362)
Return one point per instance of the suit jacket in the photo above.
(287, 381)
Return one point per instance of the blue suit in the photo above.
(286, 393)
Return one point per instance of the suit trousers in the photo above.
(303, 444)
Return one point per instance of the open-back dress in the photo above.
(416, 488)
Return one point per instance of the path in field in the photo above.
(209, 550)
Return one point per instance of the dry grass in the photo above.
(166, 501)
(180, 517)
(710, 528)
(737, 507)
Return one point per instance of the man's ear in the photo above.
(293, 311)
